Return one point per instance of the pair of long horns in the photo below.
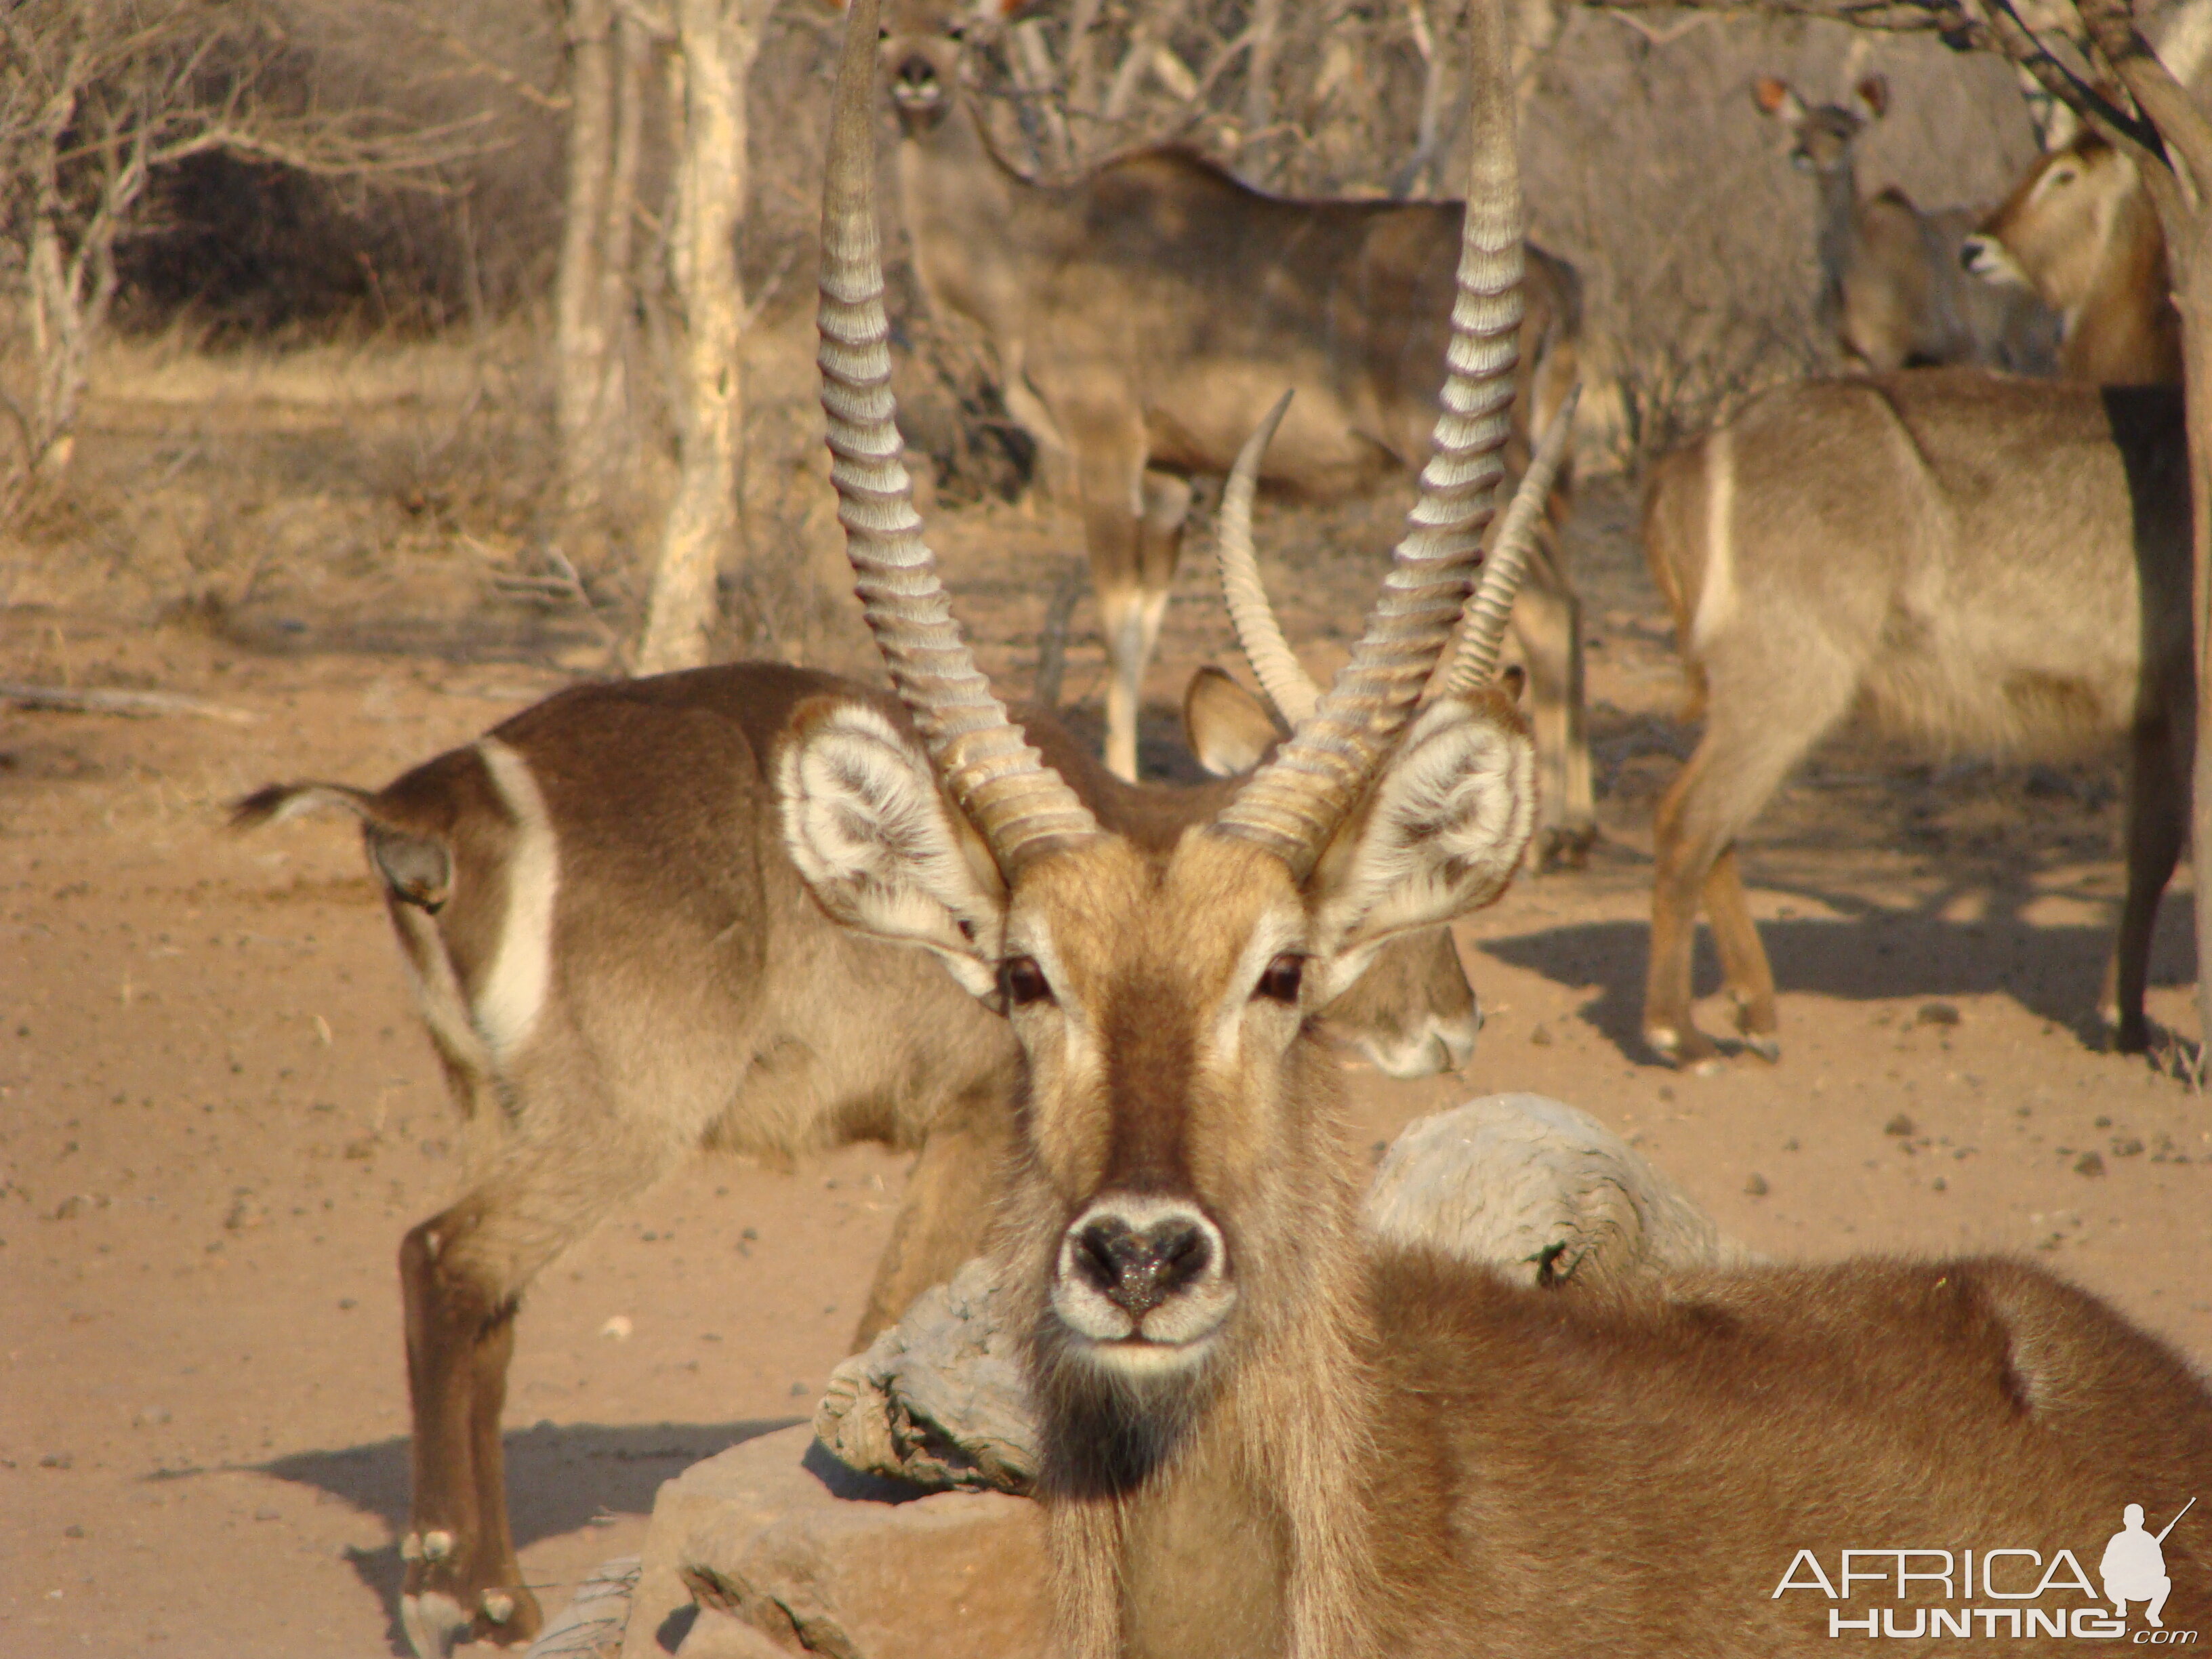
(1482, 629)
(1023, 808)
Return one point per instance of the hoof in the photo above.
(434, 1623)
(1765, 1044)
(1686, 1050)
(1555, 850)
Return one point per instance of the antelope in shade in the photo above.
(1263, 1434)
(1891, 288)
(2081, 233)
(1145, 313)
(1983, 563)
(618, 967)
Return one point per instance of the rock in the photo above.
(590, 1626)
(938, 1399)
(1539, 1189)
(775, 1542)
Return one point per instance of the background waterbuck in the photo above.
(2080, 232)
(1146, 314)
(1261, 1436)
(1984, 564)
(1891, 287)
(618, 966)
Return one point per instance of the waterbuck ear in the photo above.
(879, 846)
(1775, 98)
(1441, 833)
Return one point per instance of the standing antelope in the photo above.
(1988, 563)
(618, 967)
(1890, 283)
(2079, 230)
(1262, 1434)
(1146, 314)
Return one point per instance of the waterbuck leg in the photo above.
(946, 1214)
(1110, 445)
(1547, 621)
(1745, 973)
(2157, 813)
(451, 1316)
(1750, 746)
(1678, 875)
(462, 1274)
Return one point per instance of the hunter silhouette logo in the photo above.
(2009, 1593)
(2134, 1567)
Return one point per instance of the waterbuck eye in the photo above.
(1282, 981)
(1021, 981)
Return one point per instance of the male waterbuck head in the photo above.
(1176, 1119)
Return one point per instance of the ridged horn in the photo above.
(1259, 634)
(1021, 806)
(1295, 803)
(1482, 631)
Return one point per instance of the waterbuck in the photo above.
(1262, 1434)
(618, 967)
(1146, 312)
(1983, 563)
(1891, 288)
(2079, 230)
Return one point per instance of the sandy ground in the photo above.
(217, 1115)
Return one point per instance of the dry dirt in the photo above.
(218, 1117)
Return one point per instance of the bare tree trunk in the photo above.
(580, 340)
(1266, 27)
(719, 40)
(617, 280)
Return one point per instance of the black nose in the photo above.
(1137, 1271)
(915, 74)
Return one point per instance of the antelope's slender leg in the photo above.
(1548, 623)
(1109, 447)
(1751, 743)
(2157, 827)
(1745, 975)
(462, 1275)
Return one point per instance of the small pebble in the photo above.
(1936, 1013)
(798, 1390)
(1899, 1125)
(1939, 1185)
(1541, 1036)
(2089, 1165)
(72, 1532)
(1756, 1185)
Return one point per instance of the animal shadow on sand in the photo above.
(1871, 951)
(559, 1478)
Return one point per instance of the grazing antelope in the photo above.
(618, 967)
(1986, 563)
(1146, 312)
(1890, 283)
(2080, 232)
(1262, 1434)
